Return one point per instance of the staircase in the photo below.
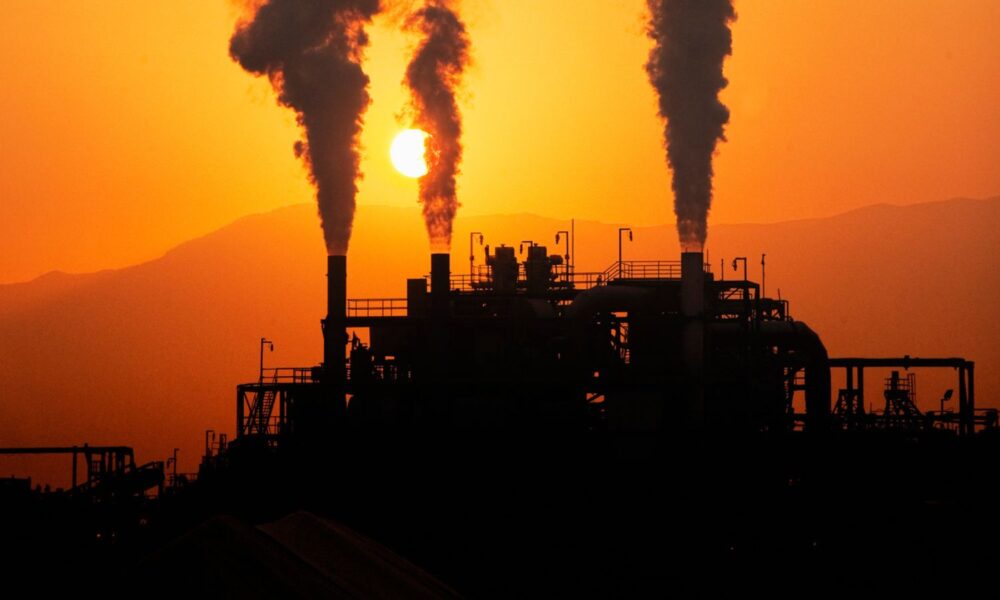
(259, 419)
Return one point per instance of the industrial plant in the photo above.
(528, 428)
(597, 425)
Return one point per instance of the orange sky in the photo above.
(125, 128)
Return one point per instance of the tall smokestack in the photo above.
(440, 283)
(685, 67)
(432, 76)
(693, 339)
(335, 327)
(692, 284)
(311, 50)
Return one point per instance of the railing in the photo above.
(287, 375)
(376, 307)
(562, 279)
(643, 269)
(471, 283)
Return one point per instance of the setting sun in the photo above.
(407, 152)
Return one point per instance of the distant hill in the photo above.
(149, 355)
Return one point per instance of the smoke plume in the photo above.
(692, 39)
(432, 76)
(311, 52)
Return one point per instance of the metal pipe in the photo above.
(622, 230)
(763, 277)
(615, 298)
(472, 255)
(797, 337)
(566, 237)
(744, 260)
(971, 393)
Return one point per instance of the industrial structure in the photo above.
(642, 347)
(633, 424)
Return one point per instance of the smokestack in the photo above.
(440, 282)
(693, 311)
(335, 326)
(692, 284)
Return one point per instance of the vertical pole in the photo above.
(260, 391)
(963, 401)
(572, 237)
(74, 466)
(87, 458)
(281, 414)
(971, 391)
(861, 389)
(260, 371)
(763, 277)
(850, 391)
(619, 253)
(239, 412)
(567, 254)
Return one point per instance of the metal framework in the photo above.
(104, 464)
(850, 406)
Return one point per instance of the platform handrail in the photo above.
(376, 307)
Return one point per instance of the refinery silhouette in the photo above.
(529, 428)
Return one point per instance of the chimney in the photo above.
(335, 326)
(692, 284)
(440, 283)
(693, 311)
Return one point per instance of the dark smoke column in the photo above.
(692, 40)
(311, 52)
(432, 76)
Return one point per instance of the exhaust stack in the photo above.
(335, 326)
(693, 311)
(440, 283)
(692, 284)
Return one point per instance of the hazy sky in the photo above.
(125, 128)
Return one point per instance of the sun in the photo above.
(407, 152)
